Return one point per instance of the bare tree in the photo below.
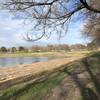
(92, 29)
(53, 15)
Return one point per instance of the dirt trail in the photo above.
(11, 73)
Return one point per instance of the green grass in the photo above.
(95, 54)
(22, 54)
(32, 91)
(44, 54)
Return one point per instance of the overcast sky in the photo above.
(12, 30)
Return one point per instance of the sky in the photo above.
(12, 30)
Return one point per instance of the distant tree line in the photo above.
(13, 49)
(49, 48)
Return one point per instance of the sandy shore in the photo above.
(11, 73)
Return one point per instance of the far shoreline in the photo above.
(22, 54)
(44, 54)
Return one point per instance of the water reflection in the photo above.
(4, 62)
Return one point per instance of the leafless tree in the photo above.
(91, 29)
(53, 16)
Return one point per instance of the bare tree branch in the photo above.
(53, 15)
(85, 4)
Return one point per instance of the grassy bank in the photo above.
(79, 79)
(22, 54)
(45, 54)
(30, 90)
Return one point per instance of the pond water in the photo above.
(11, 62)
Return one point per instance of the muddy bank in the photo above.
(21, 73)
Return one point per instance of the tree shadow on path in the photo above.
(86, 92)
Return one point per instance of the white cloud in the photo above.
(13, 29)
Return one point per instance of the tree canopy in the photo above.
(56, 15)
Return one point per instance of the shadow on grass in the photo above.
(35, 90)
(86, 92)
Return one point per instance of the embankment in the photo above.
(61, 79)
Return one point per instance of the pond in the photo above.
(11, 62)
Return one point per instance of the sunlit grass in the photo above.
(31, 91)
(45, 54)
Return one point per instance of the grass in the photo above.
(41, 90)
(45, 54)
(22, 54)
(32, 91)
(95, 54)
(91, 65)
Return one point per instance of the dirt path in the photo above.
(11, 73)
